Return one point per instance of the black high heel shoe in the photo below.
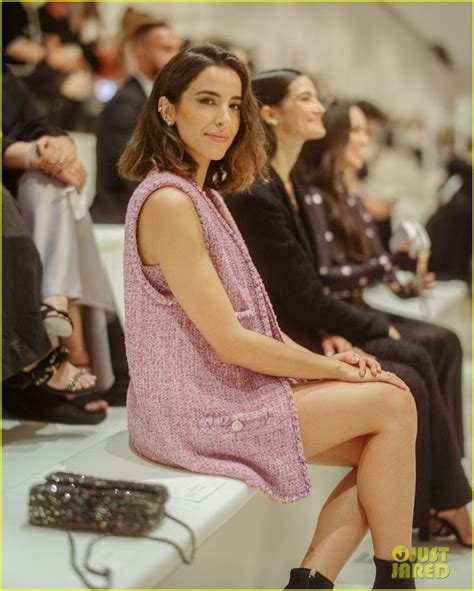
(446, 528)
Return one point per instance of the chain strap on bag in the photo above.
(108, 507)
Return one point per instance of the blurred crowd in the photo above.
(62, 73)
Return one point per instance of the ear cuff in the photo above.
(165, 119)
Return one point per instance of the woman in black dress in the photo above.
(278, 234)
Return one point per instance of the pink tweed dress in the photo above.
(186, 408)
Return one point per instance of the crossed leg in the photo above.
(371, 427)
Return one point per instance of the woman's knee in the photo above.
(399, 408)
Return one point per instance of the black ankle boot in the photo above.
(384, 579)
(304, 578)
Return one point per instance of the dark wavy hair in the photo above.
(317, 166)
(154, 144)
(270, 88)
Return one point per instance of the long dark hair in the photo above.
(270, 88)
(317, 166)
(154, 144)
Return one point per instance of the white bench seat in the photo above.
(139, 563)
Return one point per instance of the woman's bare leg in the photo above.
(333, 413)
(76, 343)
(342, 522)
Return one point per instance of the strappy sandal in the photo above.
(60, 324)
(43, 372)
(27, 395)
(446, 528)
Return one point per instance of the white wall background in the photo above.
(356, 49)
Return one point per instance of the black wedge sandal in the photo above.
(42, 373)
(60, 324)
(27, 396)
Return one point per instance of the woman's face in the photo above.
(207, 115)
(352, 154)
(300, 114)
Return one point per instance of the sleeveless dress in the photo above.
(186, 408)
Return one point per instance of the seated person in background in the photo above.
(277, 231)
(380, 209)
(39, 383)
(55, 65)
(43, 173)
(450, 227)
(153, 44)
(349, 252)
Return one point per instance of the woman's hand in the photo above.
(56, 153)
(335, 344)
(363, 362)
(415, 288)
(393, 333)
(427, 281)
(74, 174)
(350, 374)
(57, 158)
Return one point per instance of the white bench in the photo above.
(244, 540)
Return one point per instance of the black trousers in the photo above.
(440, 482)
(445, 353)
(24, 338)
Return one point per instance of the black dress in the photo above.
(284, 253)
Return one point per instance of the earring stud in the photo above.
(273, 122)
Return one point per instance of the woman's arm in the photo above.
(292, 343)
(55, 156)
(170, 234)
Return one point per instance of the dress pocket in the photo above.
(237, 423)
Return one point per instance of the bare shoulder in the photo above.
(167, 218)
(167, 200)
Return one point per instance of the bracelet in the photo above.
(29, 156)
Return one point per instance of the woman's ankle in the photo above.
(57, 301)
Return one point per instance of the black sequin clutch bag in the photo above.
(79, 502)
(108, 507)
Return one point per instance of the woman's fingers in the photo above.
(57, 153)
(334, 344)
(391, 378)
(342, 345)
(373, 365)
(353, 358)
(74, 175)
(49, 157)
(70, 177)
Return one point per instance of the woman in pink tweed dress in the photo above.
(216, 387)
